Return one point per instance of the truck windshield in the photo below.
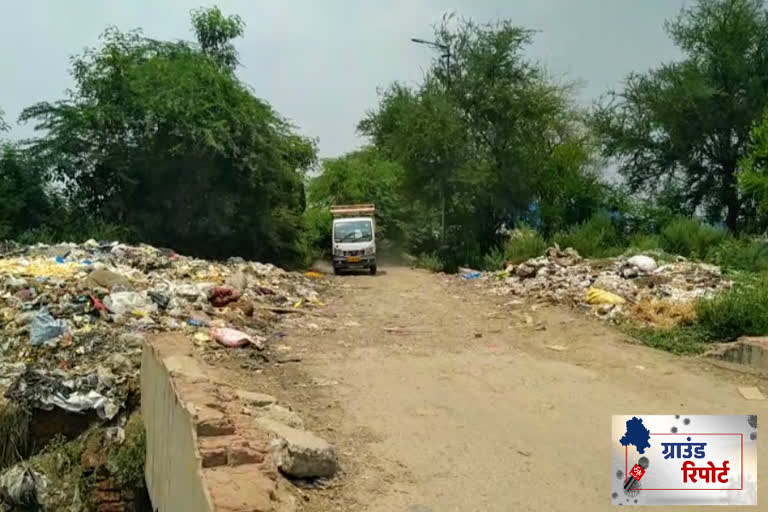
(353, 231)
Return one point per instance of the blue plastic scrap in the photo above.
(472, 275)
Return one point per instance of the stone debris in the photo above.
(751, 393)
(654, 294)
(299, 453)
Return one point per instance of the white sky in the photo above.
(319, 63)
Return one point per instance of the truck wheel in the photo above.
(337, 271)
(373, 270)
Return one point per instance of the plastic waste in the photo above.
(123, 303)
(159, 299)
(643, 263)
(471, 275)
(313, 275)
(24, 487)
(44, 327)
(223, 295)
(232, 337)
(596, 296)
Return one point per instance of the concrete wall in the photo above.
(204, 453)
(173, 465)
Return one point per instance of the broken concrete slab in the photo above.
(751, 393)
(749, 351)
(299, 453)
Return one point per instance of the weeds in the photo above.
(127, 463)
(691, 238)
(524, 244)
(678, 340)
(598, 237)
(430, 262)
(741, 311)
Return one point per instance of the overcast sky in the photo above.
(319, 63)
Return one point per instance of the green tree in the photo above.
(25, 201)
(482, 137)
(685, 125)
(753, 177)
(362, 176)
(163, 139)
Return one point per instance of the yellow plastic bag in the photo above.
(596, 296)
(313, 275)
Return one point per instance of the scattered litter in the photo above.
(557, 348)
(635, 287)
(472, 275)
(44, 327)
(597, 296)
(643, 263)
(639, 367)
(751, 393)
(233, 338)
(313, 275)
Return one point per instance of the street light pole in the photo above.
(444, 47)
(447, 56)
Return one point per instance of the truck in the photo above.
(353, 237)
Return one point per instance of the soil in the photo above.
(440, 397)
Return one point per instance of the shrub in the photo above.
(748, 255)
(743, 310)
(644, 242)
(494, 260)
(691, 237)
(128, 462)
(598, 237)
(430, 262)
(524, 244)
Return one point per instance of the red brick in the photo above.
(105, 496)
(238, 455)
(213, 456)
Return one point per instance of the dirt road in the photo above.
(440, 398)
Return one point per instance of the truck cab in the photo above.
(354, 238)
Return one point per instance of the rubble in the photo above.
(73, 317)
(637, 287)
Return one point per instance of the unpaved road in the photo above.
(440, 398)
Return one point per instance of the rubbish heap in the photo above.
(73, 317)
(636, 287)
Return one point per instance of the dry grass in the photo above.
(665, 314)
(14, 434)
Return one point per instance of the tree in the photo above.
(685, 125)
(753, 177)
(362, 176)
(162, 138)
(480, 139)
(25, 202)
(3, 125)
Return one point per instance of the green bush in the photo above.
(494, 260)
(128, 461)
(430, 262)
(741, 311)
(645, 242)
(596, 238)
(691, 237)
(524, 244)
(747, 255)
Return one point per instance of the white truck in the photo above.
(354, 237)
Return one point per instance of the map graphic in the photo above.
(637, 435)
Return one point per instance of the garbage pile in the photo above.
(73, 317)
(638, 287)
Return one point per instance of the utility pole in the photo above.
(447, 56)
